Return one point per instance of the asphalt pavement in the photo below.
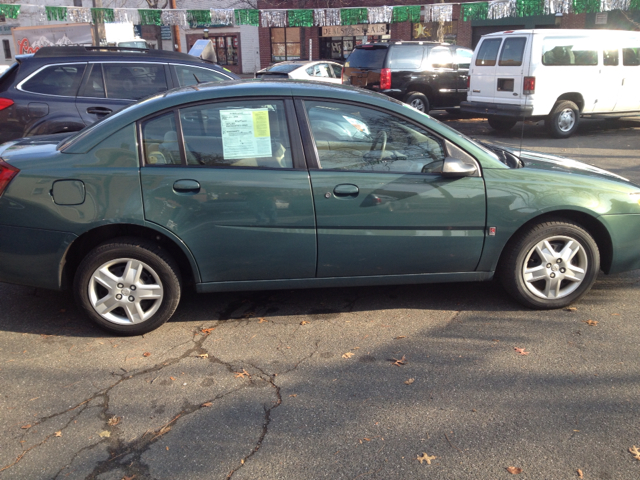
(448, 381)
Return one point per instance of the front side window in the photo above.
(354, 138)
(337, 70)
(133, 81)
(62, 80)
(512, 52)
(188, 75)
(463, 58)
(569, 51)
(285, 44)
(488, 52)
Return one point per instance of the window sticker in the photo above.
(245, 133)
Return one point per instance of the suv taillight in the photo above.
(7, 172)
(385, 79)
(5, 102)
(529, 85)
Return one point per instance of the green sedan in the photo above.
(280, 184)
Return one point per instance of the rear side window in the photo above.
(160, 140)
(94, 86)
(566, 51)
(372, 58)
(631, 56)
(440, 57)
(512, 52)
(407, 57)
(187, 75)
(134, 81)
(62, 80)
(610, 57)
(488, 52)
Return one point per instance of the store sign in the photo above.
(31, 39)
(355, 30)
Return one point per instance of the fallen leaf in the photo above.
(207, 331)
(293, 395)
(425, 458)
(410, 381)
(242, 374)
(304, 322)
(204, 355)
(400, 337)
(146, 354)
(263, 320)
(579, 472)
(113, 421)
(26, 426)
(207, 404)
(571, 309)
(514, 470)
(132, 476)
(521, 351)
(591, 323)
(105, 434)
(167, 448)
(348, 355)
(399, 362)
(634, 450)
(172, 378)
(58, 433)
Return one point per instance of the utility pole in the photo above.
(177, 43)
(98, 29)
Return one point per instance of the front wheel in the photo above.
(128, 286)
(550, 265)
(563, 120)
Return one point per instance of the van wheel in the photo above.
(501, 124)
(563, 120)
(419, 101)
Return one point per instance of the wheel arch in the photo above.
(94, 237)
(574, 97)
(590, 223)
(420, 88)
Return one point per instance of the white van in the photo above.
(555, 75)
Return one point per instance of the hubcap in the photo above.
(125, 291)
(555, 267)
(418, 104)
(566, 120)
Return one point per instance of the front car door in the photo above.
(382, 205)
(229, 179)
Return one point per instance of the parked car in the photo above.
(426, 75)
(323, 71)
(268, 185)
(555, 75)
(64, 89)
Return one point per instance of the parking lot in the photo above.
(448, 381)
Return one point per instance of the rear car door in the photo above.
(229, 179)
(445, 81)
(382, 205)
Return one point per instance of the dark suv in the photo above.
(64, 89)
(426, 75)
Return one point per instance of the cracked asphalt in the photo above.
(301, 384)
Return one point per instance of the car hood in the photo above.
(31, 146)
(558, 163)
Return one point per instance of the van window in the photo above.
(367, 58)
(488, 52)
(566, 51)
(631, 56)
(512, 52)
(610, 57)
(407, 57)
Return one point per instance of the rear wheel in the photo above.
(128, 286)
(563, 120)
(550, 265)
(418, 100)
(501, 124)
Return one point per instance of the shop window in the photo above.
(226, 49)
(286, 44)
(7, 49)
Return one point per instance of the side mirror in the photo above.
(455, 168)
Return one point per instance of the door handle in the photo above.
(186, 186)
(99, 110)
(346, 190)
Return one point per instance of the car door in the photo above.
(382, 205)
(229, 179)
(111, 86)
(445, 78)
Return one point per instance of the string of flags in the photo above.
(492, 10)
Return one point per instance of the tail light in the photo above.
(7, 172)
(529, 85)
(5, 102)
(385, 79)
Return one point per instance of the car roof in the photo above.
(133, 54)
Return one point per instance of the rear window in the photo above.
(567, 51)
(372, 58)
(512, 52)
(62, 80)
(406, 57)
(488, 52)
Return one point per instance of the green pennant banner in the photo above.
(150, 17)
(529, 8)
(247, 16)
(586, 6)
(475, 11)
(102, 15)
(404, 14)
(56, 13)
(300, 18)
(199, 17)
(634, 5)
(354, 16)
(10, 11)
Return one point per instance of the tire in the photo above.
(419, 101)
(550, 265)
(563, 120)
(102, 277)
(501, 124)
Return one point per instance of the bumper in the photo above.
(497, 109)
